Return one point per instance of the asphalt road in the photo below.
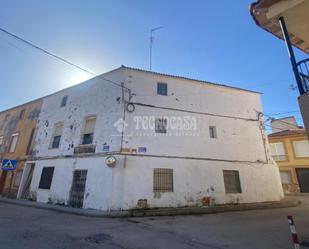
(24, 227)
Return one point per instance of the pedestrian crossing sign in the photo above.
(8, 164)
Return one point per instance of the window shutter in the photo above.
(89, 125)
(301, 148)
(58, 129)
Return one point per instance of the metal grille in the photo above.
(162, 88)
(78, 188)
(163, 180)
(231, 181)
(303, 69)
(160, 125)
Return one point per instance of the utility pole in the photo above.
(151, 44)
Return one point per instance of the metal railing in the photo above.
(303, 69)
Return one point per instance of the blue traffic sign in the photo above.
(8, 164)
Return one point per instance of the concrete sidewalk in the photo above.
(285, 203)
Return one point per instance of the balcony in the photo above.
(279, 158)
(303, 69)
(85, 149)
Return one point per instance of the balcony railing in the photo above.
(279, 157)
(303, 69)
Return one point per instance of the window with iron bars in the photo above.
(163, 180)
(231, 181)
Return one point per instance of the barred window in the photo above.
(160, 125)
(163, 180)
(46, 177)
(231, 181)
(162, 88)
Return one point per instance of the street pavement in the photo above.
(25, 227)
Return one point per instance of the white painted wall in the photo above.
(94, 97)
(131, 179)
(192, 179)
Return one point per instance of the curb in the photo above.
(285, 203)
(66, 209)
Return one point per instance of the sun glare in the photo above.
(78, 78)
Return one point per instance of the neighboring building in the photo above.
(290, 150)
(159, 140)
(281, 124)
(288, 20)
(17, 131)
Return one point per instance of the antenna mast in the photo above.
(151, 44)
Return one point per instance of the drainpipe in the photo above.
(291, 54)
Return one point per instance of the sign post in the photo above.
(293, 232)
(8, 164)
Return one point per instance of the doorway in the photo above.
(25, 182)
(2, 180)
(78, 188)
(303, 179)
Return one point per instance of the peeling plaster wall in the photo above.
(99, 184)
(239, 139)
(195, 179)
(94, 97)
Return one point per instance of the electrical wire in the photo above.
(59, 57)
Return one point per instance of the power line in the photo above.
(58, 57)
(282, 113)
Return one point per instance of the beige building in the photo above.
(17, 131)
(290, 150)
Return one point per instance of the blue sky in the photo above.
(216, 41)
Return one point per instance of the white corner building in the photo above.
(132, 138)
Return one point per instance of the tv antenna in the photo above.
(151, 44)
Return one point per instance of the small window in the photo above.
(87, 135)
(160, 125)
(30, 142)
(64, 101)
(6, 117)
(13, 142)
(46, 177)
(286, 177)
(212, 132)
(231, 181)
(277, 151)
(22, 114)
(162, 88)
(55, 142)
(163, 180)
(301, 148)
(1, 140)
(17, 178)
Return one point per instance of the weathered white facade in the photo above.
(197, 161)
